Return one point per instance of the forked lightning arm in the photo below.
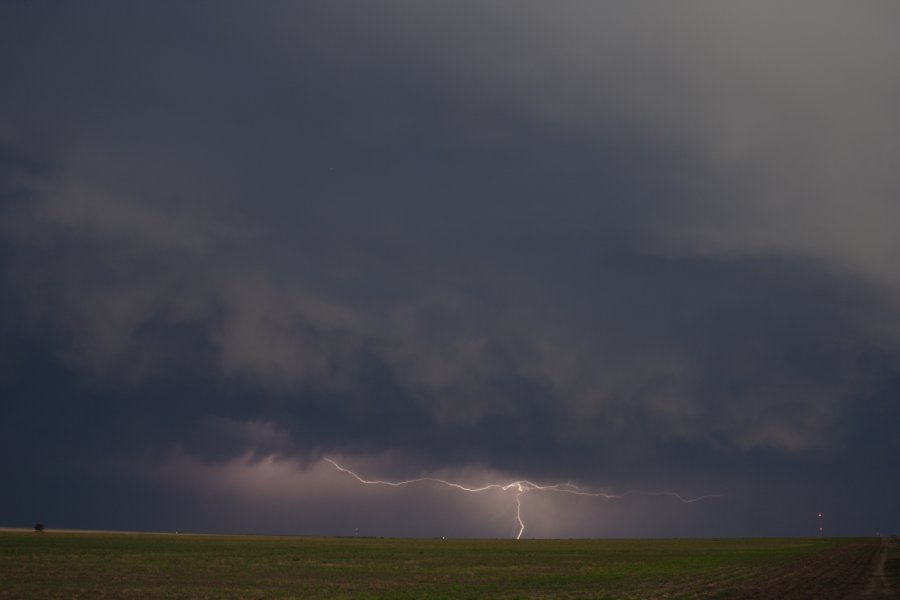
(522, 486)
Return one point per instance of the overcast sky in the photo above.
(641, 247)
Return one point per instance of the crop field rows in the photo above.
(95, 565)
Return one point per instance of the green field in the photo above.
(94, 565)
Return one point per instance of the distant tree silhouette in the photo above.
(39, 527)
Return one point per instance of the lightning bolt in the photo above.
(521, 487)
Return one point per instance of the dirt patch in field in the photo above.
(855, 570)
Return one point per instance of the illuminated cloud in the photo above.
(645, 247)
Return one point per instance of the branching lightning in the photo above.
(520, 487)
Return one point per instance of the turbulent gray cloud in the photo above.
(787, 111)
(641, 246)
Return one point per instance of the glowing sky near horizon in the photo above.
(519, 488)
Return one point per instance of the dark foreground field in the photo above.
(94, 565)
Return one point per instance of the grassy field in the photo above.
(94, 565)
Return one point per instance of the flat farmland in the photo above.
(103, 565)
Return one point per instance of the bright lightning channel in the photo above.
(520, 487)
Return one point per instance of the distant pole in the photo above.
(821, 525)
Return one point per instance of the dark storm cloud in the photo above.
(630, 246)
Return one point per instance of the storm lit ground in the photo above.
(89, 565)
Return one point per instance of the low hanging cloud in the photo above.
(609, 243)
